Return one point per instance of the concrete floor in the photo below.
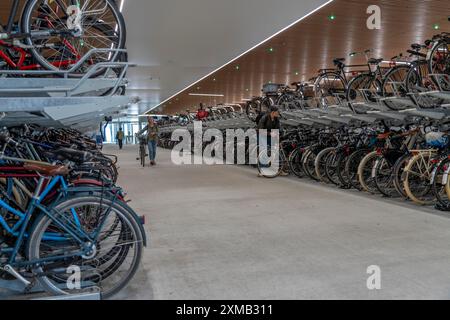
(222, 233)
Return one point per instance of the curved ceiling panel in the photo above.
(176, 42)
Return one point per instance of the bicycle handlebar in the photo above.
(416, 53)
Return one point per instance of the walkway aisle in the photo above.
(222, 233)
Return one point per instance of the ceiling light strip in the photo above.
(242, 54)
(206, 95)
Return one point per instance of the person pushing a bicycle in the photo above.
(152, 138)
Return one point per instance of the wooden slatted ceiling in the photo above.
(312, 44)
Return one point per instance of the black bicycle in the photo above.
(142, 151)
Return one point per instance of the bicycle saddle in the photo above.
(375, 61)
(47, 170)
(338, 61)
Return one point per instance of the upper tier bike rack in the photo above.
(54, 98)
(370, 109)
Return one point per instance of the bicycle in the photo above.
(273, 162)
(142, 150)
(66, 221)
(57, 34)
(418, 173)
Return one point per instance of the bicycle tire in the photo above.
(295, 163)
(412, 192)
(396, 74)
(398, 174)
(33, 6)
(43, 222)
(365, 172)
(351, 167)
(320, 163)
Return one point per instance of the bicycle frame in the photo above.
(12, 15)
(22, 53)
(74, 232)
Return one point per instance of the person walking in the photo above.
(152, 138)
(119, 137)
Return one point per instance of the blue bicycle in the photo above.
(67, 238)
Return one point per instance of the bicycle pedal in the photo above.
(16, 275)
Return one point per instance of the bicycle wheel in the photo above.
(351, 167)
(417, 81)
(320, 164)
(341, 172)
(74, 31)
(253, 108)
(142, 155)
(266, 103)
(308, 164)
(439, 180)
(366, 172)
(394, 85)
(364, 81)
(417, 179)
(331, 167)
(398, 174)
(295, 162)
(329, 87)
(286, 100)
(439, 63)
(95, 215)
(384, 181)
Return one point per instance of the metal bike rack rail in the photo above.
(14, 290)
(54, 98)
(370, 109)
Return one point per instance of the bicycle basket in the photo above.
(436, 139)
(271, 88)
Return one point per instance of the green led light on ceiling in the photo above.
(436, 26)
(237, 67)
(271, 49)
(297, 73)
(332, 17)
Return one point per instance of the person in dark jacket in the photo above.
(270, 122)
(119, 136)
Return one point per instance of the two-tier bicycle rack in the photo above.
(369, 110)
(56, 99)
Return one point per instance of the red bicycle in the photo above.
(57, 34)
